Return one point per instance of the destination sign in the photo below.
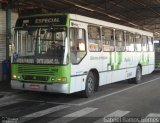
(42, 21)
(37, 61)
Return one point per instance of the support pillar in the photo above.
(6, 64)
(8, 27)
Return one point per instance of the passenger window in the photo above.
(144, 43)
(129, 41)
(119, 40)
(150, 44)
(78, 44)
(138, 42)
(94, 38)
(108, 39)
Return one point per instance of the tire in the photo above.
(138, 77)
(96, 87)
(90, 86)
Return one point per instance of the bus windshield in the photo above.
(41, 45)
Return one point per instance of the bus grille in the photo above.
(34, 69)
(37, 78)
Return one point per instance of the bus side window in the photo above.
(150, 44)
(108, 39)
(138, 45)
(119, 40)
(78, 44)
(94, 38)
(144, 43)
(129, 42)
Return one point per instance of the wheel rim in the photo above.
(90, 85)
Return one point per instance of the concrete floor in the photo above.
(120, 102)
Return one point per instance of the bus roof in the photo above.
(90, 21)
(108, 24)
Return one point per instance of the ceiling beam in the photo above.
(33, 4)
(3, 1)
(141, 9)
(121, 15)
(99, 10)
(137, 2)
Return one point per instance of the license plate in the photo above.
(34, 86)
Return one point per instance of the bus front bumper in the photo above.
(56, 87)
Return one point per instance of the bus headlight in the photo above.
(14, 77)
(53, 79)
(62, 79)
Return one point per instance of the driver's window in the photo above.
(59, 36)
(46, 37)
(78, 44)
(52, 39)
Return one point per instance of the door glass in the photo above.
(78, 44)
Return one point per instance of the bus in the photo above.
(157, 54)
(68, 53)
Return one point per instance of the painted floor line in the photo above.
(112, 117)
(9, 103)
(74, 115)
(151, 118)
(114, 93)
(70, 104)
(8, 97)
(41, 113)
(118, 113)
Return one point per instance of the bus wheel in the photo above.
(90, 84)
(138, 77)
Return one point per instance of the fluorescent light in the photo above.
(84, 7)
(113, 17)
(132, 24)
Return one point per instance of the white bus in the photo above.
(94, 53)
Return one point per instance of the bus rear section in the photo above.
(157, 54)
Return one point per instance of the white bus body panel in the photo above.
(101, 60)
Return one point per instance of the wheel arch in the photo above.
(96, 75)
(140, 66)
